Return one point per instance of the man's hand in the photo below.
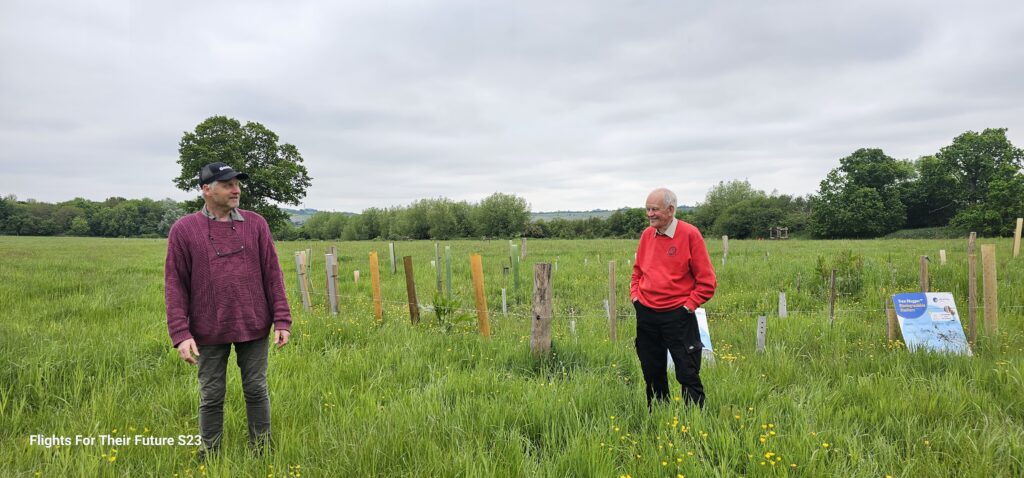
(186, 350)
(281, 337)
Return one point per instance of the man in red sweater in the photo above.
(223, 285)
(672, 276)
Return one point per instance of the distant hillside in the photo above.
(570, 215)
(299, 216)
(580, 215)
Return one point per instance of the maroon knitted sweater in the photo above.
(225, 290)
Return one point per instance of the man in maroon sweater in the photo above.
(223, 285)
(672, 276)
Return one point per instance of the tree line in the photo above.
(975, 183)
(114, 217)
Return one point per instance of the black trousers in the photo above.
(673, 331)
(252, 361)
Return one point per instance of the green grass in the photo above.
(85, 352)
(942, 232)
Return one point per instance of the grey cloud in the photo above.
(573, 105)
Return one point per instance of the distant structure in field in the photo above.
(779, 233)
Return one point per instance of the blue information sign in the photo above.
(929, 320)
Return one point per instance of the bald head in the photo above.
(664, 195)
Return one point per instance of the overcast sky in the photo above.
(571, 105)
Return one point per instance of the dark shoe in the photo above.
(204, 454)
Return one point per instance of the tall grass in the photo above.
(85, 352)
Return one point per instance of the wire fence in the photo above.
(619, 315)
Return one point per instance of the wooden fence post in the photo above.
(1016, 237)
(972, 290)
(783, 309)
(989, 286)
(923, 274)
(477, 269)
(832, 299)
(612, 319)
(762, 330)
(540, 329)
(410, 288)
(332, 283)
(378, 306)
(300, 267)
(890, 319)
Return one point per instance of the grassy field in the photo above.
(85, 352)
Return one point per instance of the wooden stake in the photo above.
(612, 320)
(989, 286)
(477, 269)
(540, 330)
(410, 288)
(891, 320)
(332, 283)
(762, 330)
(832, 299)
(300, 267)
(1016, 237)
(923, 274)
(307, 266)
(972, 290)
(942, 257)
(394, 266)
(378, 306)
(783, 310)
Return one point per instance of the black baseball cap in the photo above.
(219, 172)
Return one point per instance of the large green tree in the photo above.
(985, 169)
(276, 173)
(931, 197)
(501, 215)
(862, 197)
(738, 210)
(627, 222)
(975, 159)
(719, 198)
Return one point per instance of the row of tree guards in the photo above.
(542, 311)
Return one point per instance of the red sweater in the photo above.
(232, 298)
(671, 272)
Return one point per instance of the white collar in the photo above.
(670, 231)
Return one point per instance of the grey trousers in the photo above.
(252, 361)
